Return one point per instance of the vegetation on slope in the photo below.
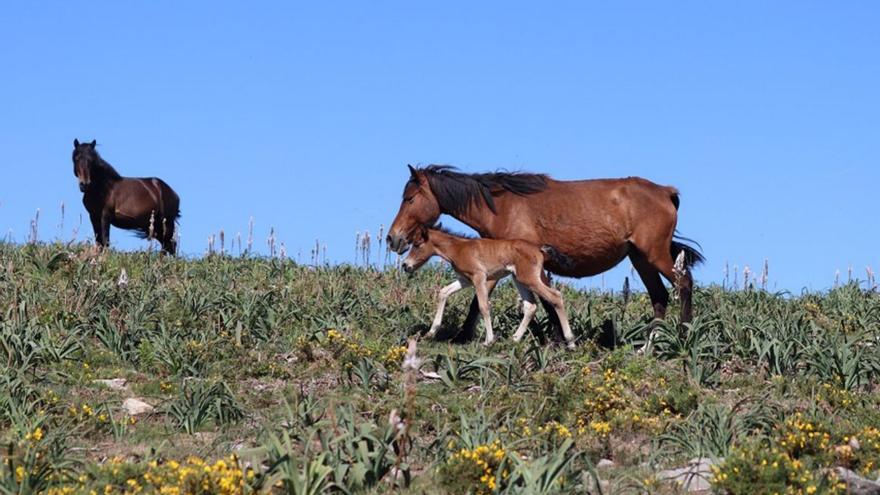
(270, 376)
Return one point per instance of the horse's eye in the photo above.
(410, 199)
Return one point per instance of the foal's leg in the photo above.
(445, 292)
(482, 288)
(468, 328)
(529, 308)
(554, 297)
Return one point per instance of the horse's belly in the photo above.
(126, 222)
(597, 262)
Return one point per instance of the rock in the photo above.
(694, 477)
(430, 375)
(136, 407)
(114, 383)
(855, 484)
(605, 463)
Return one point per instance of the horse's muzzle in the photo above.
(397, 243)
(409, 268)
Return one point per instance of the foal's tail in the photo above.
(692, 255)
(552, 254)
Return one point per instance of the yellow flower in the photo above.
(35, 435)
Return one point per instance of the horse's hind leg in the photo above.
(169, 244)
(555, 324)
(656, 291)
(529, 308)
(651, 278)
(660, 260)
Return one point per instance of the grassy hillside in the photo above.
(271, 376)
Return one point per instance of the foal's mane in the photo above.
(457, 191)
(448, 231)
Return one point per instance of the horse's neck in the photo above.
(107, 175)
(102, 184)
(476, 217)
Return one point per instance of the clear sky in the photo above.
(303, 115)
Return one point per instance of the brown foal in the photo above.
(479, 262)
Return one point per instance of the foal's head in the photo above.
(84, 158)
(421, 251)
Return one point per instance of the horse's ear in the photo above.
(412, 171)
(76, 143)
(93, 143)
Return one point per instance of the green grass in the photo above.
(297, 372)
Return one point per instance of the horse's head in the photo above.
(419, 208)
(84, 158)
(421, 251)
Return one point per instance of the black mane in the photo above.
(103, 172)
(102, 168)
(456, 191)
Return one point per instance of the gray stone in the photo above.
(136, 407)
(855, 484)
(605, 463)
(693, 478)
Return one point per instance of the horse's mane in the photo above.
(104, 169)
(457, 191)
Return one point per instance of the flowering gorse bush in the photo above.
(480, 470)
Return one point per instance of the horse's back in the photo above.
(169, 196)
(592, 221)
(151, 190)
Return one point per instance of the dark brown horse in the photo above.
(148, 206)
(596, 223)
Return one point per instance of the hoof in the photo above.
(571, 346)
(488, 343)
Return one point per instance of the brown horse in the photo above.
(596, 223)
(148, 206)
(481, 261)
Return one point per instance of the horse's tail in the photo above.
(692, 255)
(680, 244)
(564, 262)
(172, 206)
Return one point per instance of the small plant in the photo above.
(198, 402)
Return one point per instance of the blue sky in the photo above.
(765, 115)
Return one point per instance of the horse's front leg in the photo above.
(96, 227)
(104, 239)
